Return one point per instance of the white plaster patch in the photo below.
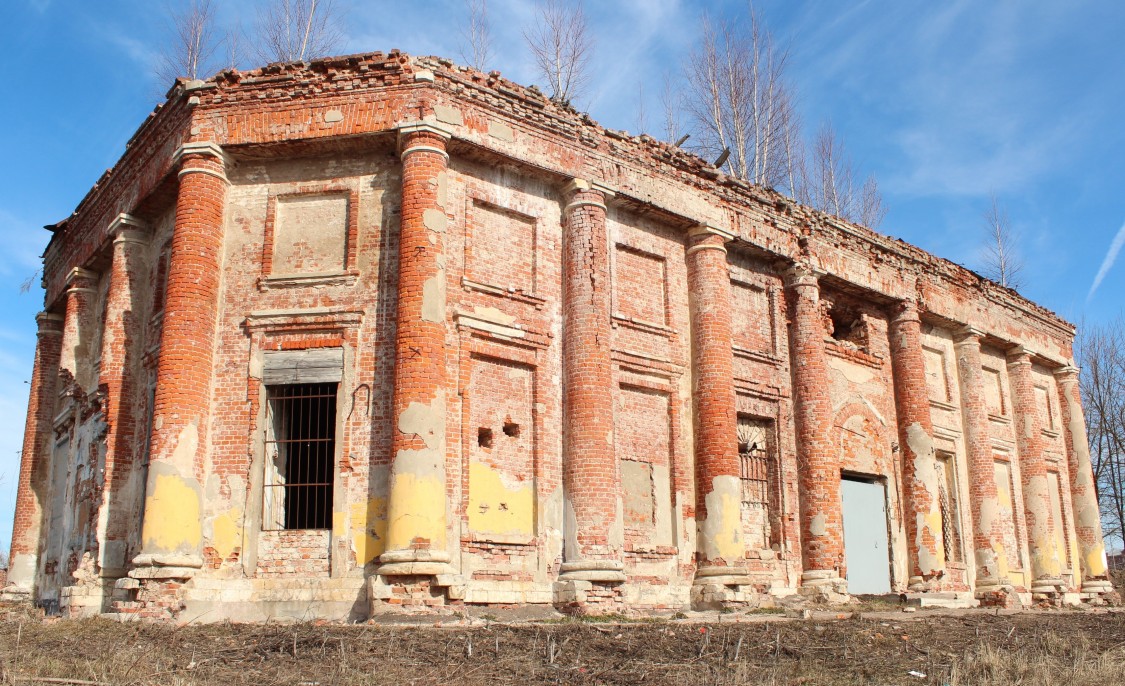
(448, 115)
(819, 525)
(435, 220)
(501, 131)
(433, 298)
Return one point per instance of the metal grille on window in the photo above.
(950, 532)
(300, 454)
(757, 476)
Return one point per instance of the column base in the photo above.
(1049, 586)
(160, 566)
(414, 562)
(716, 588)
(15, 594)
(612, 571)
(1097, 586)
(824, 586)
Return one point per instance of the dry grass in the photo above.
(1041, 648)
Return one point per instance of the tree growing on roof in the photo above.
(1002, 262)
(561, 44)
(297, 30)
(476, 35)
(194, 39)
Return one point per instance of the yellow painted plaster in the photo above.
(423, 500)
(227, 533)
(499, 508)
(369, 529)
(172, 522)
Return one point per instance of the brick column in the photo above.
(75, 361)
(1082, 489)
(35, 457)
(593, 539)
(822, 525)
(416, 529)
(121, 351)
(721, 550)
(916, 439)
(1083, 494)
(988, 536)
(1046, 568)
(171, 533)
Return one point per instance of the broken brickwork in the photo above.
(380, 333)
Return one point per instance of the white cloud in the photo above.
(1109, 261)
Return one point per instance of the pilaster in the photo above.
(916, 439)
(721, 550)
(1083, 490)
(122, 346)
(1046, 568)
(34, 458)
(417, 521)
(822, 525)
(593, 540)
(171, 533)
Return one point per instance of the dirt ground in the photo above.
(882, 647)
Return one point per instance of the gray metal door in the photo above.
(865, 536)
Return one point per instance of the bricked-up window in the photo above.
(300, 453)
(759, 472)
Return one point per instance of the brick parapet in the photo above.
(417, 521)
(34, 456)
(1046, 568)
(916, 441)
(320, 88)
(717, 467)
(125, 317)
(172, 534)
(822, 534)
(1083, 489)
(593, 544)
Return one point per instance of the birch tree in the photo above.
(193, 41)
(831, 183)
(476, 35)
(740, 99)
(1002, 262)
(562, 46)
(297, 30)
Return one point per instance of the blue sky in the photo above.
(944, 101)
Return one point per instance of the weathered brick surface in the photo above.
(544, 386)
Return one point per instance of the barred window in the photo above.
(760, 484)
(300, 453)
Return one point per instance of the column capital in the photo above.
(80, 279)
(204, 148)
(577, 185)
(49, 322)
(906, 311)
(201, 149)
(967, 334)
(800, 275)
(1066, 372)
(128, 227)
(406, 130)
(1020, 354)
(703, 230)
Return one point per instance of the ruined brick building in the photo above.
(372, 332)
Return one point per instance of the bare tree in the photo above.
(1001, 261)
(477, 36)
(296, 30)
(562, 47)
(871, 210)
(740, 99)
(831, 187)
(672, 103)
(642, 118)
(193, 42)
(1100, 352)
